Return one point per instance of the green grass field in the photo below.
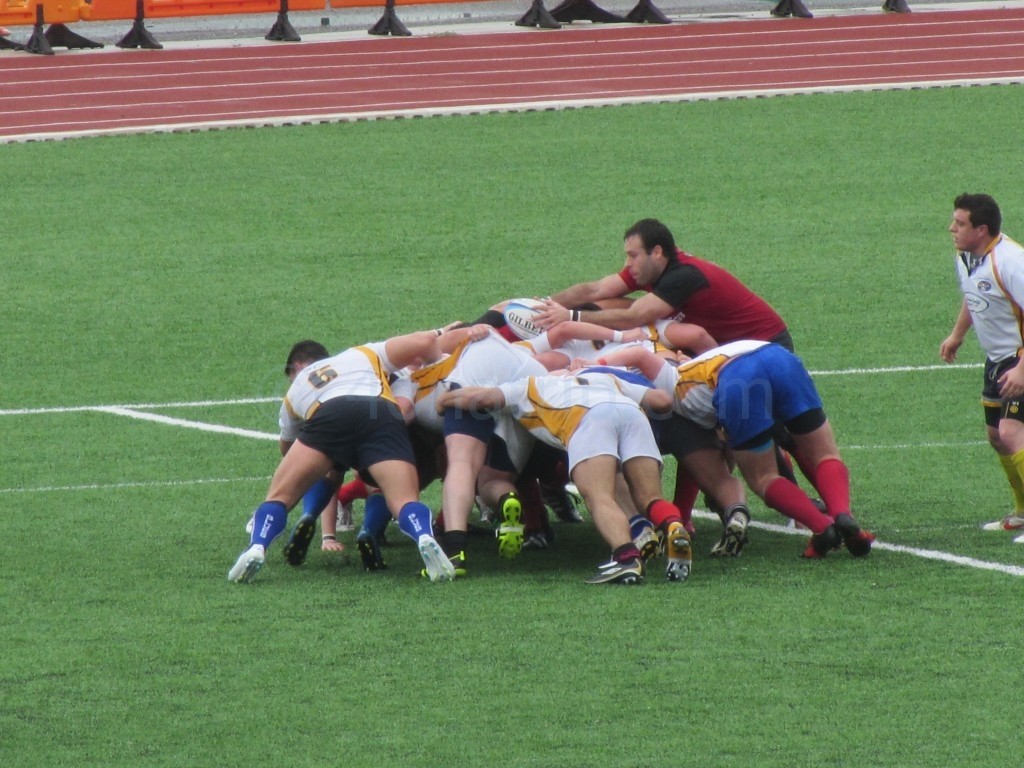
(174, 271)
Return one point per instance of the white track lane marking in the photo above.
(580, 61)
(957, 29)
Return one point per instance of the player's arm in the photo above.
(586, 293)
(952, 343)
(285, 446)
(645, 361)
(644, 310)
(474, 399)
(562, 333)
(657, 401)
(454, 334)
(556, 310)
(688, 336)
(421, 347)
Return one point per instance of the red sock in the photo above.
(352, 490)
(833, 483)
(533, 510)
(806, 468)
(685, 495)
(661, 513)
(787, 498)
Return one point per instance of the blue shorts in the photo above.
(460, 422)
(356, 432)
(761, 388)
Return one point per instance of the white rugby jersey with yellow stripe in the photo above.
(551, 407)
(693, 382)
(994, 294)
(484, 363)
(362, 370)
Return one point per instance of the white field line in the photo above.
(200, 425)
(898, 369)
(927, 554)
(138, 406)
(907, 446)
(148, 484)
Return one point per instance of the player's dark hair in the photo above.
(653, 233)
(492, 317)
(983, 209)
(306, 351)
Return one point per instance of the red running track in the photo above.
(116, 91)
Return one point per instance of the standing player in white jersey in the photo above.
(990, 267)
(339, 413)
(597, 419)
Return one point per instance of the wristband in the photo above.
(328, 537)
(574, 315)
(617, 336)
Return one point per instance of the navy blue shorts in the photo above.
(680, 437)
(996, 408)
(357, 432)
(460, 422)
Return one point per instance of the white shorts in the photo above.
(613, 429)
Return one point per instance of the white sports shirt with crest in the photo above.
(362, 370)
(993, 288)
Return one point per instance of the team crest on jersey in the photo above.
(975, 303)
(985, 286)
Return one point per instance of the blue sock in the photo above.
(316, 498)
(376, 515)
(269, 522)
(414, 520)
(637, 523)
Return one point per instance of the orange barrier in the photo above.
(167, 8)
(56, 13)
(15, 13)
(371, 4)
(109, 10)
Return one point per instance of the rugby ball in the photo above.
(520, 314)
